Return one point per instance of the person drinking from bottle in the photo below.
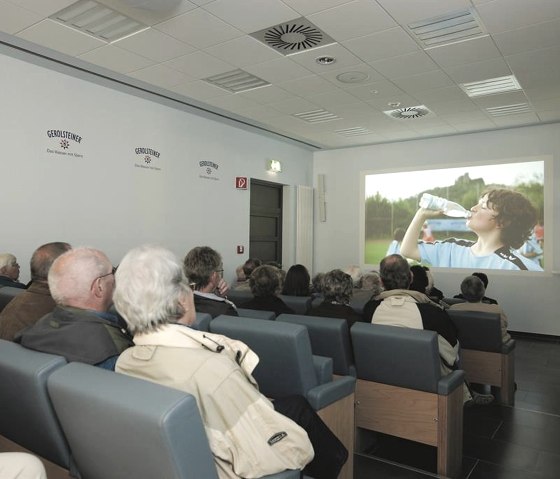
(502, 220)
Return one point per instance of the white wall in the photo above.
(531, 301)
(102, 199)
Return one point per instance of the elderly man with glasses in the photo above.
(80, 328)
(9, 271)
(205, 270)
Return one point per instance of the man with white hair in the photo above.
(81, 282)
(9, 271)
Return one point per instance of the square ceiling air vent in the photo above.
(505, 110)
(355, 131)
(316, 116)
(491, 86)
(445, 29)
(236, 81)
(293, 37)
(97, 20)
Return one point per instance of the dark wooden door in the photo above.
(265, 238)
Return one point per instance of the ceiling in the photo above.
(187, 41)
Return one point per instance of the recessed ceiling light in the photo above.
(352, 77)
(325, 60)
(394, 104)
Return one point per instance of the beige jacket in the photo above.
(247, 437)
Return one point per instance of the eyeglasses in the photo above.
(113, 271)
(220, 272)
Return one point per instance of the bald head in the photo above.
(395, 272)
(43, 258)
(82, 278)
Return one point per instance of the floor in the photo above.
(520, 442)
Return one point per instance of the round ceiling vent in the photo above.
(409, 112)
(293, 37)
(352, 77)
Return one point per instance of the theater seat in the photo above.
(484, 357)
(27, 418)
(7, 293)
(286, 367)
(300, 304)
(400, 390)
(256, 314)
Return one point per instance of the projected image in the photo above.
(483, 217)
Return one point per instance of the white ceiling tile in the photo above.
(233, 102)
(436, 130)
(343, 58)
(543, 35)
(542, 93)
(501, 99)
(547, 104)
(467, 51)
(450, 93)
(372, 75)
(549, 115)
(154, 45)
(502, 15)
(116, 59)
(409, 64)
(380, 89)
(383, 104)
(262, 113)
(199, 28)
(462, 116)
(160, 75)
(471, 126)
(58, 37)
(332, 99)
(516, 120)
(423, 81)
(308, 85)
(199, 65)
(276, 71)
(537, 68)
(13, 18)
(469, 72)
(386, 44)
(405, 11)
(150, 16)
(243, 51)
(296, 105)
(267, 94)
(306, 7)
(354, 19)
(201, 2)
(43, 7)
(442, 108)
(199, 90)
(251, 15)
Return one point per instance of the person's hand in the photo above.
(222, 288)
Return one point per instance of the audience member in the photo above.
(371, 287)
(9, 271)
(472, 289)
(395, 246)
(81, 282)
(317, 285)
(204, 268)
(247, 268)
(356, 274)
(265, 285)
(21, 465)
(337, 292)
(432, 291)
(249, 435)
(297, 281)
(400, 306)
(421, 283)
(484, 278)
(36, 301)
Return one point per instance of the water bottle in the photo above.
(449, 208)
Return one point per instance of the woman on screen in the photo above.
(502, 220)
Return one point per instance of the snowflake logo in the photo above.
(147, 159)
(64, 144)
(208, 170)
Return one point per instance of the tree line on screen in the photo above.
(382, 216)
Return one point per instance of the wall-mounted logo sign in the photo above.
(64, 143)
(147, 158)
(208, 170)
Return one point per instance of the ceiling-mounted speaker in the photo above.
(321, 198)
(154, 5)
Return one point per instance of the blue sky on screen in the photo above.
(394, 186)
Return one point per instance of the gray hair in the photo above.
(72, 274)
(372, 282)
(150, 286)
(43, 258)
(264, 281)
(7, 260)
(337, 286)
(473, 289)
(355, 273)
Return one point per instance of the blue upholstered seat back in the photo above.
(300, 304)
(26, 413)
(123, 427)
(478, 330)
(329, 337)
(7, 293)
(286, 363)
(403, 357)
